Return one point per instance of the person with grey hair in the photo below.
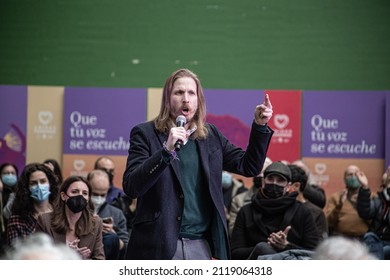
(341, 248)
(115, 235)
(39, 246)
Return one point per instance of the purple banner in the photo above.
(99, 120)
(13, 125)
(232, 112)
(343, 124)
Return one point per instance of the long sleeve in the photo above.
(240, 245)
(333, 210)
(366, 205)
(97, 251)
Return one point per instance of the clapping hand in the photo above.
(278, 240)
(84, 252)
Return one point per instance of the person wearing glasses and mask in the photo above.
(275, 221)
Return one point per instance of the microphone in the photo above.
(180, 122)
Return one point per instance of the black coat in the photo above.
(157, 186)
(254, 225)
(377, 210)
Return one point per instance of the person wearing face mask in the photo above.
(35, 194)
(376, 209)
(107, 164)
(8, 180)
(115, 234)
(274, 221)
(341, 211)
(72, 221)
(230, 188)
(246, 197)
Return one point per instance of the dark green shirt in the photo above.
(197, 203)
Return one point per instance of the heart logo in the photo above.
(320, 168)
(45, 117)
(78, 164)
(281, 121)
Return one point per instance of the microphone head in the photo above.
(180, 121)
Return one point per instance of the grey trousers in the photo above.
(188, 249)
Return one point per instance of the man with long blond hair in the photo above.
(175, 173)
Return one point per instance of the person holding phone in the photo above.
(115, 234)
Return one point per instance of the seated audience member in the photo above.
(40, 246)
(341, 248)
(2, 224)
(244, 198)
(115, 234)
(55, 167)
(35, 194)
(9, 176)
(376, 209)
(128, 206)
(72, 221)
(341, 211)
(115, 195)
(108, 165)
(230, 188)
(312, 191)
(298, 184)
(275, 221)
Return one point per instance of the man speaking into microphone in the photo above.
(174, 169)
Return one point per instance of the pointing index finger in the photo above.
(267, 101)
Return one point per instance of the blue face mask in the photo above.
(40, 193)
(227, 180)
(9, 179)
(352, 182)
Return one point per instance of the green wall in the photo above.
(273, 44)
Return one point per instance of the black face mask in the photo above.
(76, 203)
(273, 191)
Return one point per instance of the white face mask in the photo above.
(98, 201)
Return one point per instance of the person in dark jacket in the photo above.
(376, 209)
(275, 221)
(312, 192)
(174, 171)
(298, 184)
